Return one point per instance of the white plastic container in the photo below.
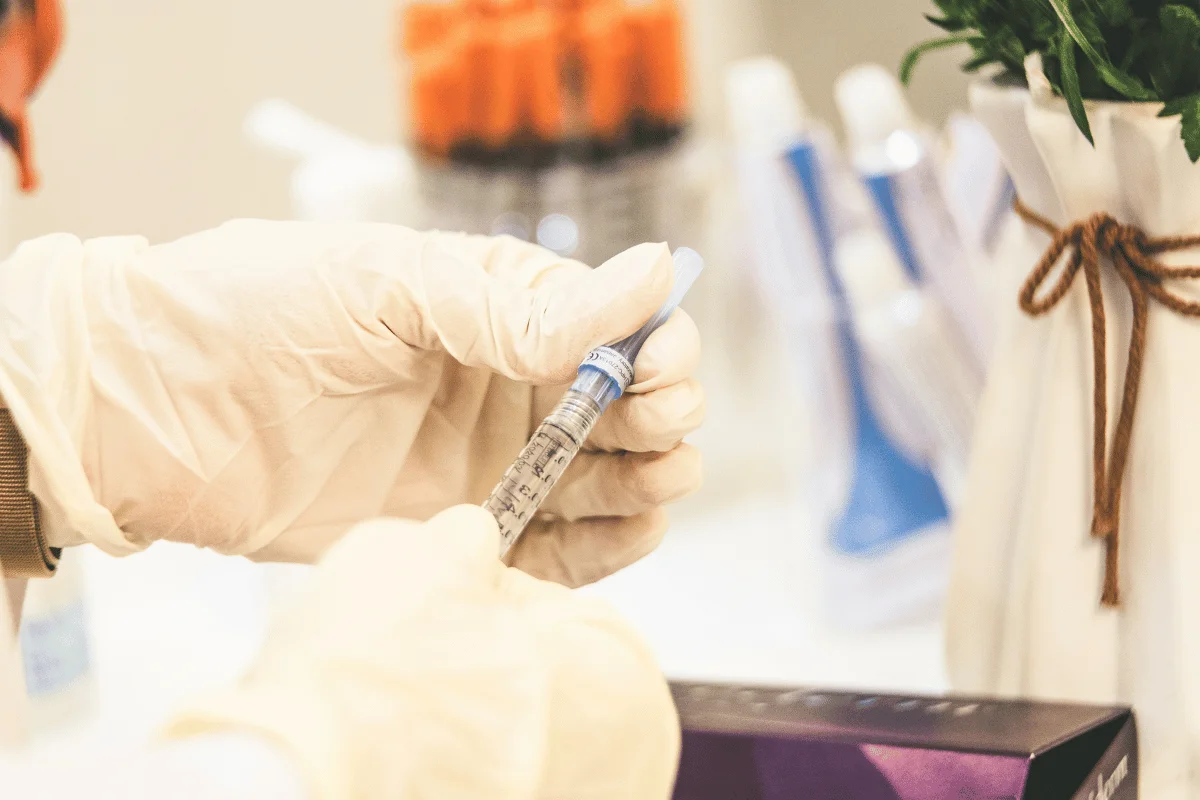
(55, 647)
(339, 177)
(14, 707)
(915, 364)
(895, 157)
(768, 118)
(878, 510)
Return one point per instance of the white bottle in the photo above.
(768, 119)
(14, 706)
(885, 544)
(339, 177)
(916, 366)
(55, 647)
(894, 156)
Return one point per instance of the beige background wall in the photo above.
(139, 128)
(820, 38)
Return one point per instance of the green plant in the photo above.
(1137, 50)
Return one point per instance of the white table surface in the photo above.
(732, 594)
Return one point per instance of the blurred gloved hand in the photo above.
(417, 666)
(260, 387)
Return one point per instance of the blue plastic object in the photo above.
(882, 189)
(598, 373)
(891, 497)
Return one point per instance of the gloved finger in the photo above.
(656, 412)
(657, 421)
(578, 553)
(536, 335)
(624, 484)
(509, 258)
(670, 355)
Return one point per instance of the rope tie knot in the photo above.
(1087, 246)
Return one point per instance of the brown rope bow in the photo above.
(1132, 253)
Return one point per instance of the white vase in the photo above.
(1026, 617)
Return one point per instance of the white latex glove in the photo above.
(260, 387)
(417, 666)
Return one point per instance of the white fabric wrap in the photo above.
(1024, 610)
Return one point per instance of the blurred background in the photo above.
(843, 308)
(148, 99)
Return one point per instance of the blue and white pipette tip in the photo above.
(603, 377)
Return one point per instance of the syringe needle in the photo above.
(603, 377)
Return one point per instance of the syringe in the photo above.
(603, 377)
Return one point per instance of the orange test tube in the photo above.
(658, 32)
(492, 69)
(427, 24)
(605, 54)
(440, 98)
(538, 56)
(501, 9)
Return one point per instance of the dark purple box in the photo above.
(756, 743)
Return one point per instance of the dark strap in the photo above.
(23, 550)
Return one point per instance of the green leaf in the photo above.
(1070, 85)
(1176, 54)
(977, 63)
(1188, 110)
(1139, 47)
(1115, 13)
(1123, 82)
(1173, 108)
(1044, 27)
(1133, 50)
(1007, 45)
(914, 55)
(950, 24)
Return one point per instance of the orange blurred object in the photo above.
(440, 92)
(492, 66)
(605, 54)
(539, 62)
(427, 24)
(657, 29)
(500, 8)
(30, 38)
(543, 69)
(570, 17)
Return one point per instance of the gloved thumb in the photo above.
(539, 328)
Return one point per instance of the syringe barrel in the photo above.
(532, 476)
(554, 443)
(607, 371)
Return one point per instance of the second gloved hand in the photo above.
(261, 387)
(417, 666)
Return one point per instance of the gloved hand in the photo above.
(417, 666)
(260, 387)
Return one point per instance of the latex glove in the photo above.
(260, 387)
(417, 666)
